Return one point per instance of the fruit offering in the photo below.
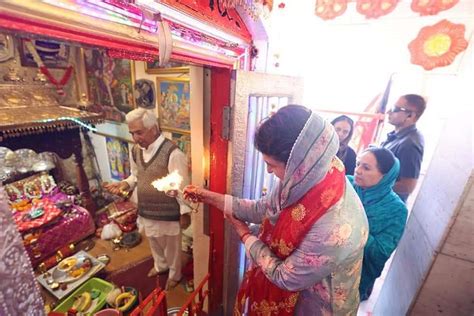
(83, 302)
(124, 301)
(79, 269)
(67, 264)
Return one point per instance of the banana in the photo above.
(87, 301)
(67, 264)
(124, 301)
(82, 302)
(110, 299)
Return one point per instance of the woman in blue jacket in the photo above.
(375, 175)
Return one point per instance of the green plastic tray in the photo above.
(94, 283)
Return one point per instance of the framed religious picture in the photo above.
(174, 104)
(182, 140)
(110, 82)
(145, 96)
(170, 68)
(7, 49)
(53, 54)
(119, 159)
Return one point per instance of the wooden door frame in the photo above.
(224, 178)
(218, 148)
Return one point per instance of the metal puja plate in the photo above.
(53, 275)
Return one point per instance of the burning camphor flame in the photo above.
(170, 182)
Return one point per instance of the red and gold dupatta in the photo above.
(294, 222)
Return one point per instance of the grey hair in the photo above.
(148, 117)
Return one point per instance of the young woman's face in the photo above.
(343, 128)
(274, 166)
(366, 173)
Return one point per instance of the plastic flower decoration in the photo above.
(438, 45)
(373, 9)
(432, 7)
(329, 9)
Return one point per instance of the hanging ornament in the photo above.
(373, 9)
(330, 9)
(438, 45)
(432, 7)
(252, 7)
(268, 4)
(45, 71)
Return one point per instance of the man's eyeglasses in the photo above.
(396, 109)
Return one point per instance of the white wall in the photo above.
(346, 61)
(444, 182)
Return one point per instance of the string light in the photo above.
(68, 118)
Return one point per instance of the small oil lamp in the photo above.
(170, 186)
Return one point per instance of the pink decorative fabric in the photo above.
(50, 213)
(69, 228)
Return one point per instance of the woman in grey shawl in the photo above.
(307, 257)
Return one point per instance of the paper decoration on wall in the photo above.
(432, 7)
(438, 45)
(373, 9)
(330, 9)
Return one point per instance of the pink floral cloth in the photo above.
(325, 267)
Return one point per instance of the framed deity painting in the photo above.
(110, 82)
(174, 104)
(145, 96)
(53, 54)
(119, 159)
(170, 68)
(7, 48)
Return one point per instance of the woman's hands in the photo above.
(240, 227)
(193, 193)
(196, 194)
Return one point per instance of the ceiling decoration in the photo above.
(330, 9)
(438, 45)
(373, 9)
(432, 7)
(254, 8)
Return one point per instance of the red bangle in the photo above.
(243, 236)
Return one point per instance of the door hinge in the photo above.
(226, 114)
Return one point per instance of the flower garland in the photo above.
(44, 70)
